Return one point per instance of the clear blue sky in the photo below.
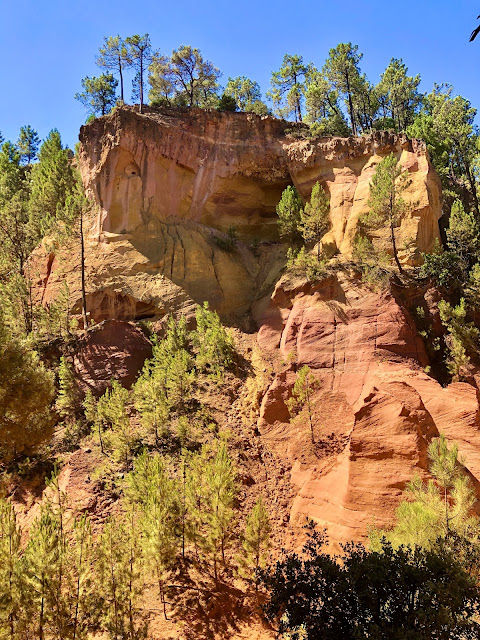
(48, 46)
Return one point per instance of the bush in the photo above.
(215, 348)
(304, 263)
(227, 242)
(391, 593)
(226, 103)
(442, 266)
(373, 264)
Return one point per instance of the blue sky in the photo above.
(48, 46)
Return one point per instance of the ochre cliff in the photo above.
(169, 184)
(222, 169)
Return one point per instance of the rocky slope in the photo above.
(376, 409)
(167, 186)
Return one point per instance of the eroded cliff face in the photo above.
(376, 408)
(224, 169)
(169, 184)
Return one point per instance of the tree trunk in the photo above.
(394, 247)
(141, 83)
(82, 266)
(120, 72)
(350, 105)
(473, 188)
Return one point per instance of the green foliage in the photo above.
(462, 337)
(229, 241)
(115, 431)
(166, 380)
(53, 180)
(226, 103)
(302, 396)
(472, 288)
(210, 494)
(113, 57)
(244, 91)
(26, 393)
(373, 263)
(315, 218)
(385, 201)
(119, 561)
(288, 86)
(463, 235)
(306, 264)
(67, 401)
(150, 489)
(398, 94)
(443, 266)
(184, 79)
(214, 344)
(342, 71)
(27, 144)
(324, 114)
(438, 508)
(99, 94)
(12, 575)
(256, 538)
(402, 594)
(289, 212)
(139, 55)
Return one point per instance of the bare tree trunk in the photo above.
(82, 266)
(394, 247)
(120, 72)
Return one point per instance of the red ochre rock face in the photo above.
(112, 350)
(375, 411)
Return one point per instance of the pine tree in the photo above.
(156, 495)
(342, 71)
(289, 212)
(211, 491)
(246, 92)
(463, 236)
(439, 508)
(99, 94)
(82, 593)
(26, 393)
(140, 56)
(112, 414)
(288, 86)
(315, 218)
(118, 569)
(12, 576)
(257, 535)
(27, 144)
(53, 179)
(184, 79)
(462, 337)
(16, 238)
(215, 347)
(113, 57)
(398, 95)
(385, 201)
(67, 399)
(43, 558)
(302, 396)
